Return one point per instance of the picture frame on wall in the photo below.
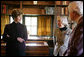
(49, 10)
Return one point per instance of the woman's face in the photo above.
(18, 19)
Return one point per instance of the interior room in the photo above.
(42, 22)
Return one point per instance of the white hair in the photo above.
(76, 6)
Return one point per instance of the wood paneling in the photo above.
(37, 48)
(28, 2)
(46, 2)
(27, 6)
(10, 2)
(31, 11)
(3, 52)
(33, 48)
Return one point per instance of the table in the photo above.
(33, 48)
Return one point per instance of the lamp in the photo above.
(35, 2)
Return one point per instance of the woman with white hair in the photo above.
(62, 37)
(75, 47)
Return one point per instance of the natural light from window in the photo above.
(31, 24)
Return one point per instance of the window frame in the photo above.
(52, 20)
(30, 16)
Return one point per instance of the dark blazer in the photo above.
(75, 47)
(14, 47)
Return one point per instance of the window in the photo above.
(31, 24)
(11, 19)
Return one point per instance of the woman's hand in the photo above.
(20, 39)
(7, 35)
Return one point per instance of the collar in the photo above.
(16, 23)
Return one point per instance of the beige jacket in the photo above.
(59, 37)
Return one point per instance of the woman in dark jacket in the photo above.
(15, 35)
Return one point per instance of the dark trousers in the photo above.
(15, 52)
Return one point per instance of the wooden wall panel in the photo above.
(28, 2)
(31, 11)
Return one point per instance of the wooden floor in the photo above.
(33, 48)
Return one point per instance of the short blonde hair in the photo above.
(76, 6)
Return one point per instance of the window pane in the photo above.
(27, 21)
(34, 22)
(34, 30)
(11, 19)
(31, 23)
